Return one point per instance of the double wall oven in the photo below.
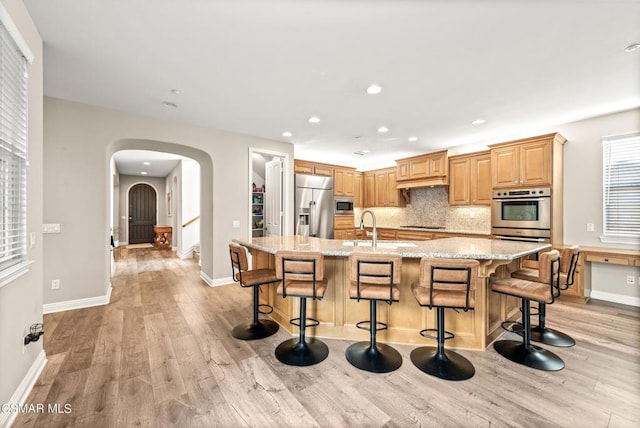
(521, 214)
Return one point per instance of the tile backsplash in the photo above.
(430, 207)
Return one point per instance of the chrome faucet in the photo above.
(375, 233)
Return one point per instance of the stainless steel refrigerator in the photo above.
(314, 206)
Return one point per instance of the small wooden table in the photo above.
(163, 236)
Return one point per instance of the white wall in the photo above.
(21, 299)
(80, 140)
(190, 198)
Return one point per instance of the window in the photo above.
(13, 157)
(621, 189)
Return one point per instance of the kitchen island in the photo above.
(338, 314)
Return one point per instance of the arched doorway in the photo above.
(142, 213)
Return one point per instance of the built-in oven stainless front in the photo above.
(521, 213)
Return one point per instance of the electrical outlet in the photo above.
(236, 224)
(589, 227)
(631, 280)
(55, 284)
(472, 214)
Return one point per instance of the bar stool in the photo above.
(444, 283)
(374, 277)
(302, 275)
(542, 292)
(541, 333)
(258, 328)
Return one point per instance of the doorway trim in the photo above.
(286, 186)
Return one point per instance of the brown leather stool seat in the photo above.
(541, 333)
(302, 275)
(374, 277)
(444, 283)
(542, 292)
(257, 328)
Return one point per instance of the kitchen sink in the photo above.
(387, 244)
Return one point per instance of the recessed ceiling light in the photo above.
(314, 119)
(478, 122)
(287, 134)
(169, 104)
(175, 91)
(632, 47)
(383, 129)
(362, 152)
(412, 139)
(146, 163)
(374, 89)
(144, 173)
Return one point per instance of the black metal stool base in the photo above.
(251, 331)
(292, 352)
(380, 359)
(450, 366)
(532, 356)
(549, 336)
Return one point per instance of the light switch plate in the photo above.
(51, 228)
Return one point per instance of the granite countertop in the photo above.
(466, 248)
(436, 229)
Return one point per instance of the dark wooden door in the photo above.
(142, 213)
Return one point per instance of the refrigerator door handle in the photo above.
(312, 217)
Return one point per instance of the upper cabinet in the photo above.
(532, 162)
(344, 182)
(424, 170)
(307, 167)
(381, 189)
(358, 199)
(470, 179)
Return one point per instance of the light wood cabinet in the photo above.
(369, 189)
(526, 163)
(386, 193)
(423, 170)
(346, 234)
(313, 168)
(470, 179)
(358, 199)
(344, 183)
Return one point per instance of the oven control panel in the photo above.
(522, 193)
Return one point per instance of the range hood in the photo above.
(424, 182)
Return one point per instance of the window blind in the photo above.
(13, 152)
(622, 186)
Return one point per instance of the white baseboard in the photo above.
(24, 389)
(615, 298)
(68, 305)
(222, 281)
(206, 278)
(187, 254)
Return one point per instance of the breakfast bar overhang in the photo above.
(338, 314)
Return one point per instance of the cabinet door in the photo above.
(393, 194)
(535, 164)
(402, 170)
(323, 170)
(369, 189)
(459, 181)
(437, 165)
(419, 167)
(301, 167)
(358, 191)
(381, 189)
(349, 183)
(505, 167)
(481, 180)
(338, 182)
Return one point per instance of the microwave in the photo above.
(343, 206)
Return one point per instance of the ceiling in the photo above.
(264, 67)
(144, 162)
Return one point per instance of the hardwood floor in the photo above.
(161, 354)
